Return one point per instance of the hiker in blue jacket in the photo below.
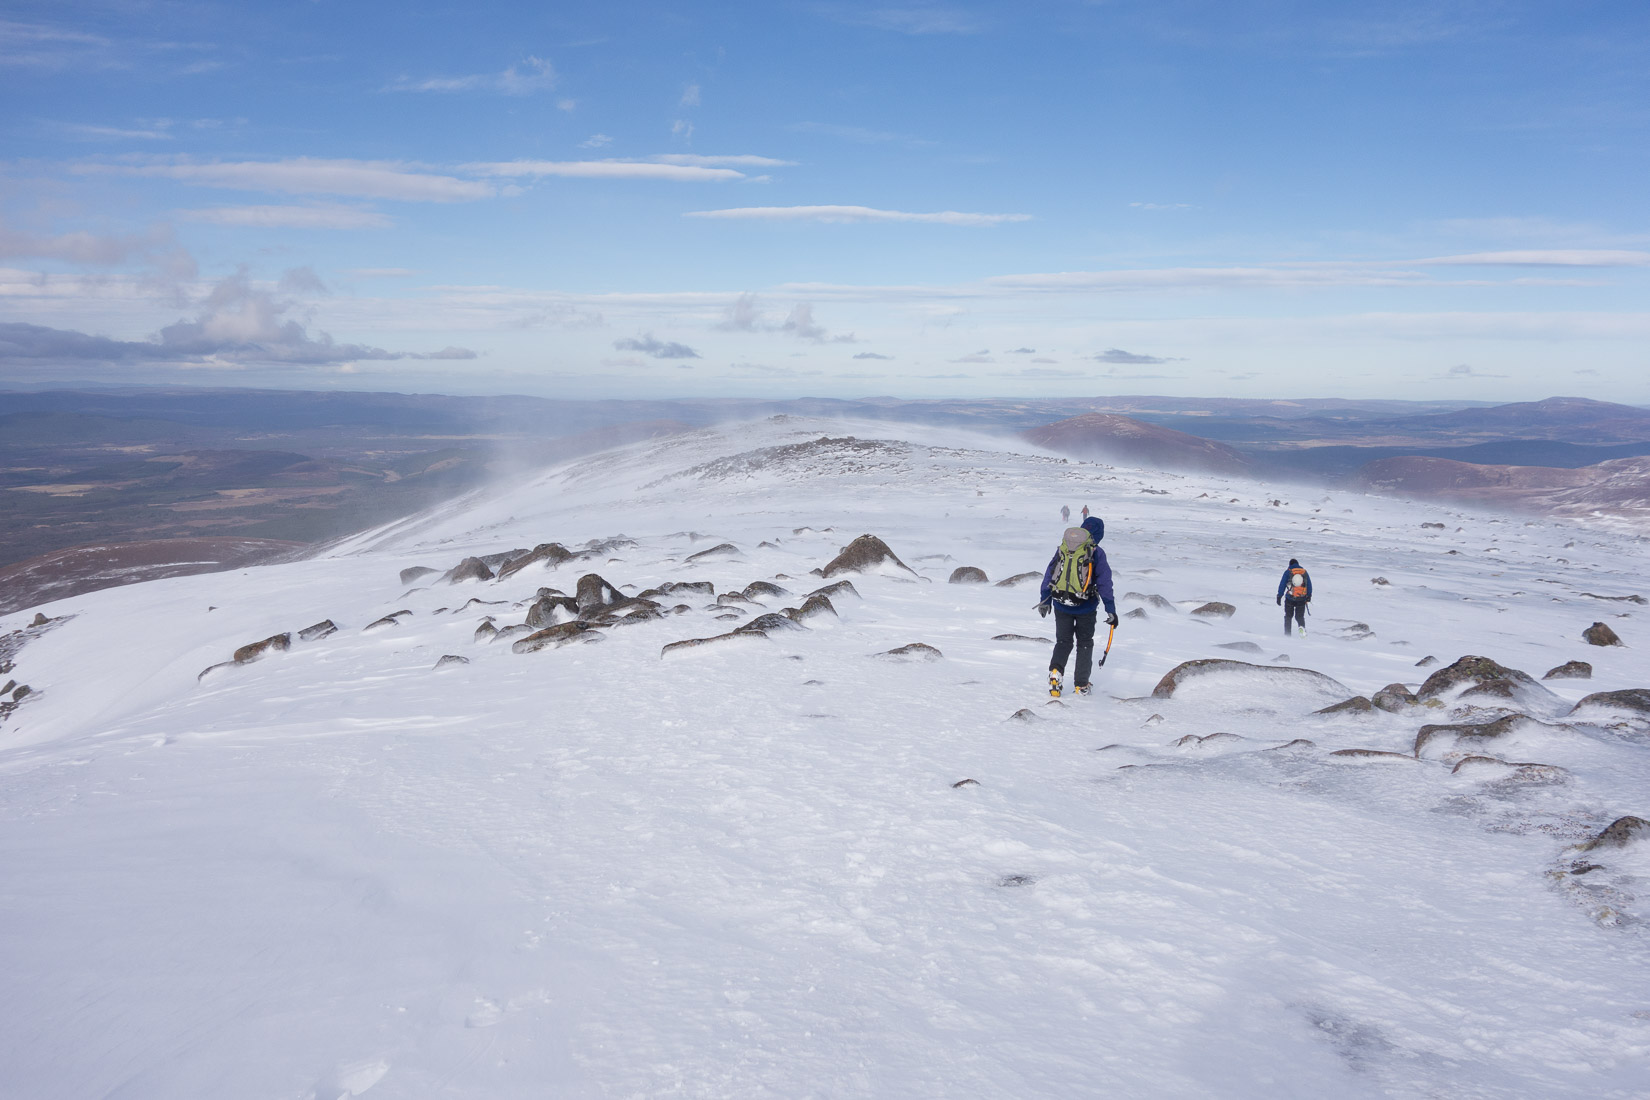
(1294, 593)
(1075, 611)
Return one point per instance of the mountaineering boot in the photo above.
(1303, 632)
(1054, 679)
(1084, 689)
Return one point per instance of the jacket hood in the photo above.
(1095, 526)
(1293, 564)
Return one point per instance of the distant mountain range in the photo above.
(1125, 440)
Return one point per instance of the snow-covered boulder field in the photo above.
(446, 809)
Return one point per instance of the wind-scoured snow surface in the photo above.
(742, 869)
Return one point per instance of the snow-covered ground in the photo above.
(743, 869)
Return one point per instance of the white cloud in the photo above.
(532, 75)
(309, 176)
(596, 141)
(848, 214)
(1547, 257)
(682, 128)
(98, 249)
(567, 105)
(604, 169)
(159, 129)
(1162, 205)
(742, 316)
(690, 96)
(289, 217)
(742, 160)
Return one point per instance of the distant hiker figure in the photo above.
(1065, 514)
(1294, 593)
(1076, 582)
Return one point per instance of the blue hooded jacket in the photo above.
(1284, 585)
(1096, 527)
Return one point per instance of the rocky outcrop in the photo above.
(1020, 638)
(1628, 699)
(470, 569)
(865, 554)
(1017, 579)
(552, 609)
(1239, 647)
(1471, 673)
(1137, 613)
(547, 553)
(1151, 599)
(277, 643)
(1600, 634)
(381, 624)
(968, 574)
(1220, 675)
(448, 660)
(1570, 670)
(916, 651)
(486, 632)
(1426, 662)
(1509, 773)
(1214, 609)
(772, 622)
(1355, 705)
(718, 640)
(1467, 736)
(412, 573)
(1619, 834)
(1371, 756)
(812, 608)
(758, 590)
(720, 550)
(836, 589)
(593, 594)
(557, 636)
(320, 630)
(1394, 699)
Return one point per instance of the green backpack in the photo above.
(1073, 567)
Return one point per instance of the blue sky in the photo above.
(1247, 198)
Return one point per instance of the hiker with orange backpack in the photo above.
(1294, 593)
(1076, 582)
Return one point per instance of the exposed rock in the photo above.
(864, 554)
(718, 639)
(448, 660)
(412, 573)
(1212, 671)
(1380, 582)
(1154, 720)
(967, 574)
(916, 651)
(39, 619)
(771, 621)
(319, 630)
(1355, 705)
(733, 616)
(638, 611)
(1024, 715)
(1020, 638)
(670, 588)
(720, 550)
(1192, 740)
(1472, 672)
(1600, 634)
(965, 783)
(506, 633)
(7, 689)
(1619, 834)
(836, 589)
(498, 558)
(1634, 699)
(1374, 756)
(1455, 733)
(486, 632)
(210, 669)
(380, 624)
(21, 692)
(758, 589)
(731, 599)
(470, 569)
(552, 611)
(1297, 745)
(1137, 613)
(1433, 526)
(1617, 599)
(1426, 662)
(1017, 880)
(1570, 670)
(812, 607)
(1017, 579)
(1507, 772)
(549, 553)
(1152, 599)
(1241, 647)
(594, 593)
(557, 636)
(1354, 632)
(1393, 698)
(255, 650)
(1215, 610)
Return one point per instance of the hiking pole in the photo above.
(1110, 634)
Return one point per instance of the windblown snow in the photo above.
(572, 864)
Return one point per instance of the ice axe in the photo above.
(1110, 634)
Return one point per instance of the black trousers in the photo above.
(1296, 610)
(1069, 629)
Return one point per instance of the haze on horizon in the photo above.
(1437, 200)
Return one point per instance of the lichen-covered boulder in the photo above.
(412, 573)
(275, 643)
(1017, 579)
(916, 651)
(865, 554)
(1570, 670)
(1620, 833)
(968, 574)
(546, 553)
(1214, 609)
(470, 569)
(1230, 681)
(556, 637)
(1600, 634)
(1472, 672)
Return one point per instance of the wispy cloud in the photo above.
(858, 134)
(1162, 206)
(871, 355)
(658, 349)
(42, 46)
(95, 249)
(153, 130)
(534, 74)
(596, 141)
(604, 169)
(308, 176)
(1118, 355)
(851, 214)
(289, 217)
(741, 160)
(690, 96)
(1546, 257)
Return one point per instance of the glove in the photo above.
(1111, 618)
(1280, 601)
(1042, 609)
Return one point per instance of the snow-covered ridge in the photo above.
(756, 869)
